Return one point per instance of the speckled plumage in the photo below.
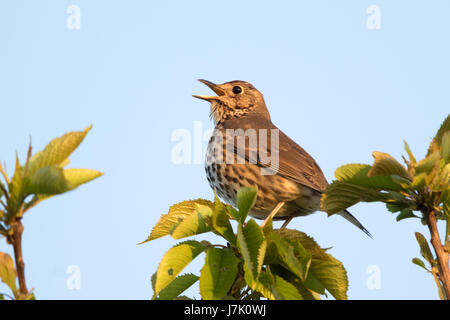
(227, 178)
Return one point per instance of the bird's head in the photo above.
(234, 99)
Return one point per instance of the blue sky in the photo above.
(337, 88)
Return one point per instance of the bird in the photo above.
(289, 187)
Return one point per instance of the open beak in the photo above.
(214, 87)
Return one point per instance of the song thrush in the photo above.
(290, 186)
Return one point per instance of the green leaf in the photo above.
(262, 285)
(305, 293)
(64, 163)
(177, 213)
(252, 245)
(302, 254)
(424, 248)
(396, 206)
(426, 165)
(441, 180)
(314, 284)
(218, 273)
(194, 224)
(221, 222)
(325, 271)
(332, 276)
(268, 227)
(77, 177)
(177, 286)
(233, 213)
(7, 271)
(44, 174)
(418, 181)
(405, 214)
(412, 159)
(401, 181)
(175, 260)
(307, 242)
(446, 147)
(340, 195)
(52, 180)
(420, 263)
(436, 142)
(47, 180)
(386, 165)
(153, 281)
(246, 198)
(284, 290)
(15, 187)
(287, 254)
(57, 151)
(358, 174)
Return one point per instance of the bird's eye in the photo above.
(237, 89)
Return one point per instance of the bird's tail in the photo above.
(347, 215)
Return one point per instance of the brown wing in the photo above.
(294, 162)
(298, 165)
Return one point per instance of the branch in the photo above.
(441, 253)
(16, 241)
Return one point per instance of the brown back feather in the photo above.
(294, 162)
